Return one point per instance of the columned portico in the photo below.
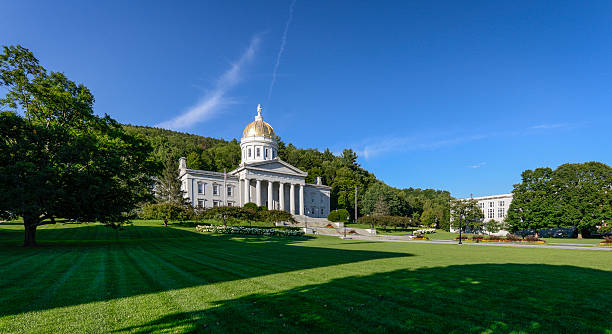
(270, 196)
(247, 191)
(301, 199)
(258, 192)
(292, 199)
(281, 195)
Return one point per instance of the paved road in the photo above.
(486, 244)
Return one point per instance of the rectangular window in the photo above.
(229, 191)
(501, 213)
(501, 203)
(491, 204)
(491, 213)
(216, 189)
(200, 203)
(273, 154)
(258, 152)
(216, 203)
(249, 152)
(266, 153)
(200, 188)
(230, 203)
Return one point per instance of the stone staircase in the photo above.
(322, 226)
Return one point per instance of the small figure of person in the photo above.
(165, 222)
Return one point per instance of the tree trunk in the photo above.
(30, 224)
(579, 234)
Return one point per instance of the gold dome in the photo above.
(258, 128)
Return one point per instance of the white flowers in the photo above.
(424, 231)
(249, 230)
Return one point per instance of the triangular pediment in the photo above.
(273, 166)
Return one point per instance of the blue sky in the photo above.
(454, 95)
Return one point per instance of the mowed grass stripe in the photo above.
(31, 279)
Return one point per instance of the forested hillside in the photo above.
(342, 173)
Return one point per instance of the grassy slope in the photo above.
(85, 279)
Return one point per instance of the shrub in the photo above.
(275, 216)
(513, 237)
(170, 211)
(332, 216)
(250, 205)
(607, 239)
(339, 215)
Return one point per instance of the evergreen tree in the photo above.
(168, 187)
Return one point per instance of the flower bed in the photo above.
(607, 241)
(424, 231)
(420, 237)
(509, 238)
(241, 230)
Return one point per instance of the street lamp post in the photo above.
(347, 219)
(460, 227)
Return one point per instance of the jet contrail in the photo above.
(282, 49)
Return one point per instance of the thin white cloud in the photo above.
(213, 101)
(281, 50)
(377, 146)
(402, 144)
(478, 165)
(549, 126)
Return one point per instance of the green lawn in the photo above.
(147, 278)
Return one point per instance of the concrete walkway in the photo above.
(394, 238)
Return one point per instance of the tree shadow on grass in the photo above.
(93, 263)
(486, 298)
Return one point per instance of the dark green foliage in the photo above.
(275, 216)
(338, 215)
(250, 205)
(168, 186)
(170, 211)
(573, 195)
(232, 214)
(60, 159)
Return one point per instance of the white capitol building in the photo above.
(262, 178)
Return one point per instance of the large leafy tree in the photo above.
(466, 214)
(573, 195)
(58, 158)
(532, 205)
(380, 195)
(583, 194)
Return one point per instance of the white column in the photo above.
(301, 199)
(247, 195)
(270, 197)
(292, 199)
(258, 192)
(281, 195)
